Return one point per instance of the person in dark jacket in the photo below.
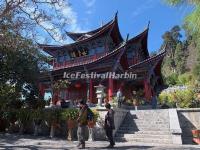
(82, 124)
(109, 125)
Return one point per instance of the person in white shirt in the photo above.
(119, 98)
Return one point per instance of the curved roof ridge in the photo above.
(77, 35)
(138, 35)
(161, 54)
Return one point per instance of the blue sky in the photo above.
(133, 17)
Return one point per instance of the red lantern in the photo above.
(77, 85)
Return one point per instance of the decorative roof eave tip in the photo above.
(148, 24)
(115, 17)
(127, 37)
(116, 14)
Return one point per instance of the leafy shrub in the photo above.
(180, 98)
(96, 114)
(71, 113)
(184, 79)
(171, 79)
(52, 115)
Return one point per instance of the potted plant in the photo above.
(52, 117)
(2, 121)
(24, 116)
(38, 115)
(196, 136)
(92, 122)
(11, 116)
(70, 116)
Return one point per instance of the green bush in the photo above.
(96, 114)
(24, 115)
(52, 115)
(181, 98)
(184, 79)
(171, 79)
(71, 113)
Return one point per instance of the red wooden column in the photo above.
(147, 90)
(55, 97)
(110, 89)
(41, 89)
(91, 92)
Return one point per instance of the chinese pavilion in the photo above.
(103, 50)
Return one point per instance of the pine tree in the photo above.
(179, 58)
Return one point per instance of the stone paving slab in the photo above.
(27, 142)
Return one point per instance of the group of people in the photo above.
(82, 120)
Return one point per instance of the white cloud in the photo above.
(89, 12)
(144, 6)
(89, 6)
(89, 3)
(73, 25)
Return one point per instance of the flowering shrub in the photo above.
(181, 98)
(61, 84)
(96, 114)
(71, 114)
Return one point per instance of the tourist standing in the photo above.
(109, 125)
(154, 101)
(82, 124)
(119, 98)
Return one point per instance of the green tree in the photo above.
(19, 69)
(30, 17)
(192, 26)
(179, 58)
(172, 43)
(20, 59)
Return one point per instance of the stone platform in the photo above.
(27, 142)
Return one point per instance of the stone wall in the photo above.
(98, 130)
(175, 128)
(189, 119)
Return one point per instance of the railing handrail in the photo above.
(76, 61)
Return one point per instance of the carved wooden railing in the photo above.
(77, 61)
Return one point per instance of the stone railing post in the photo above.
(175, 128)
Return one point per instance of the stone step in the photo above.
(144, 140)
(146, 125)
(143, 128)
(139, 135)
(144, 132)
(149, 115)
(144, 122)
(147, 120)
(154, 132)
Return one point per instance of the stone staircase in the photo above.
(145, 126)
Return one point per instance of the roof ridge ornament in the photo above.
(116, 14)
(127, 37)
(148, 24)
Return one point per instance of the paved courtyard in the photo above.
(17, 142)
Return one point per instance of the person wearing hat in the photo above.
(109, 125)
(82, 124)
